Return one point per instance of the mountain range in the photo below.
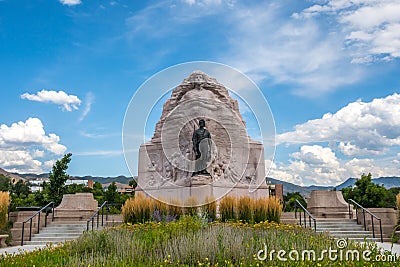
(31, 176)
(387, 182)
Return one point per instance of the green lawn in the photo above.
(191, 242)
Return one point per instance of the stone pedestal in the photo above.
(76, 207)
(328, 204)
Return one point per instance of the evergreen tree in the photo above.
(57, 178)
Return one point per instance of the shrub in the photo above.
(175, 208)
(160, 210)
(4, 202)
(191, 206)
(210, 208)
(274, 209)
(260, 208)
(227, 208)
(137, 209)
(245, 209)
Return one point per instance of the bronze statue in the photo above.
(202, 149)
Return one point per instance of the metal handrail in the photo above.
(96, 214)
(31, 219)
(372, 218)
(305, 211)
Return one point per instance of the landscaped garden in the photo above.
(170, 236)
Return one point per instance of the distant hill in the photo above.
(103, 180)
(387, 182)
(11, 175)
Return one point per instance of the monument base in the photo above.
(203, 191)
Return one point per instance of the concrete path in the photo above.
(20, 249)
(386, 246)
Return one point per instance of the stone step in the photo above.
(44, 242)
(54, 238)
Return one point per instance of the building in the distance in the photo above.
(36, 185)
(275, 190)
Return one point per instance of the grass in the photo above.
(244, 209)
(227, 209)
(191, 206)
(209, 208)
(4, 202)
(186, 242)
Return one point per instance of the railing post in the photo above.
(365, 223)
(309, 220)
(92, 223)
(107, 209)
(357, 215)
(350, 217)
(102, 215)
(300, 217)
(315, 225)
(52, 212)
(380, 228)
(97, 220)
(22, 234)
(87, 225)
(30, 230)
(38, 228)
(373, 228)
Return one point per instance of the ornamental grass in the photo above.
(4, 203)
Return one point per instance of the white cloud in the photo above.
(29, 133)
(68, 102)
(23, 142)
(268, 44)
(19, 161)
(360, 128)
(49, 163)
(70, 2)
(372, 27)
(89, 100)
(38, 153)
(318, 165)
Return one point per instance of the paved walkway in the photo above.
(386, 246)
(394, 248)
(20, 249)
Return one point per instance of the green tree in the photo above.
(57, 178)
(21, 189)
(366, 193)
(133, 183)
(112, 195)
(4, 183)
(290, 199)
(98, 192)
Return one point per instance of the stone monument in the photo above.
(169, 164)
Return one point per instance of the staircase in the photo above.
(58, 232)
(345, 228)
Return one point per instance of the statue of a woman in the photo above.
(202, 149)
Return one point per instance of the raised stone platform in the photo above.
(328, 204)
(78, 206)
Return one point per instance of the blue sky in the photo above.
(329, 70)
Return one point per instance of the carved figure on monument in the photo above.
(202, 149)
